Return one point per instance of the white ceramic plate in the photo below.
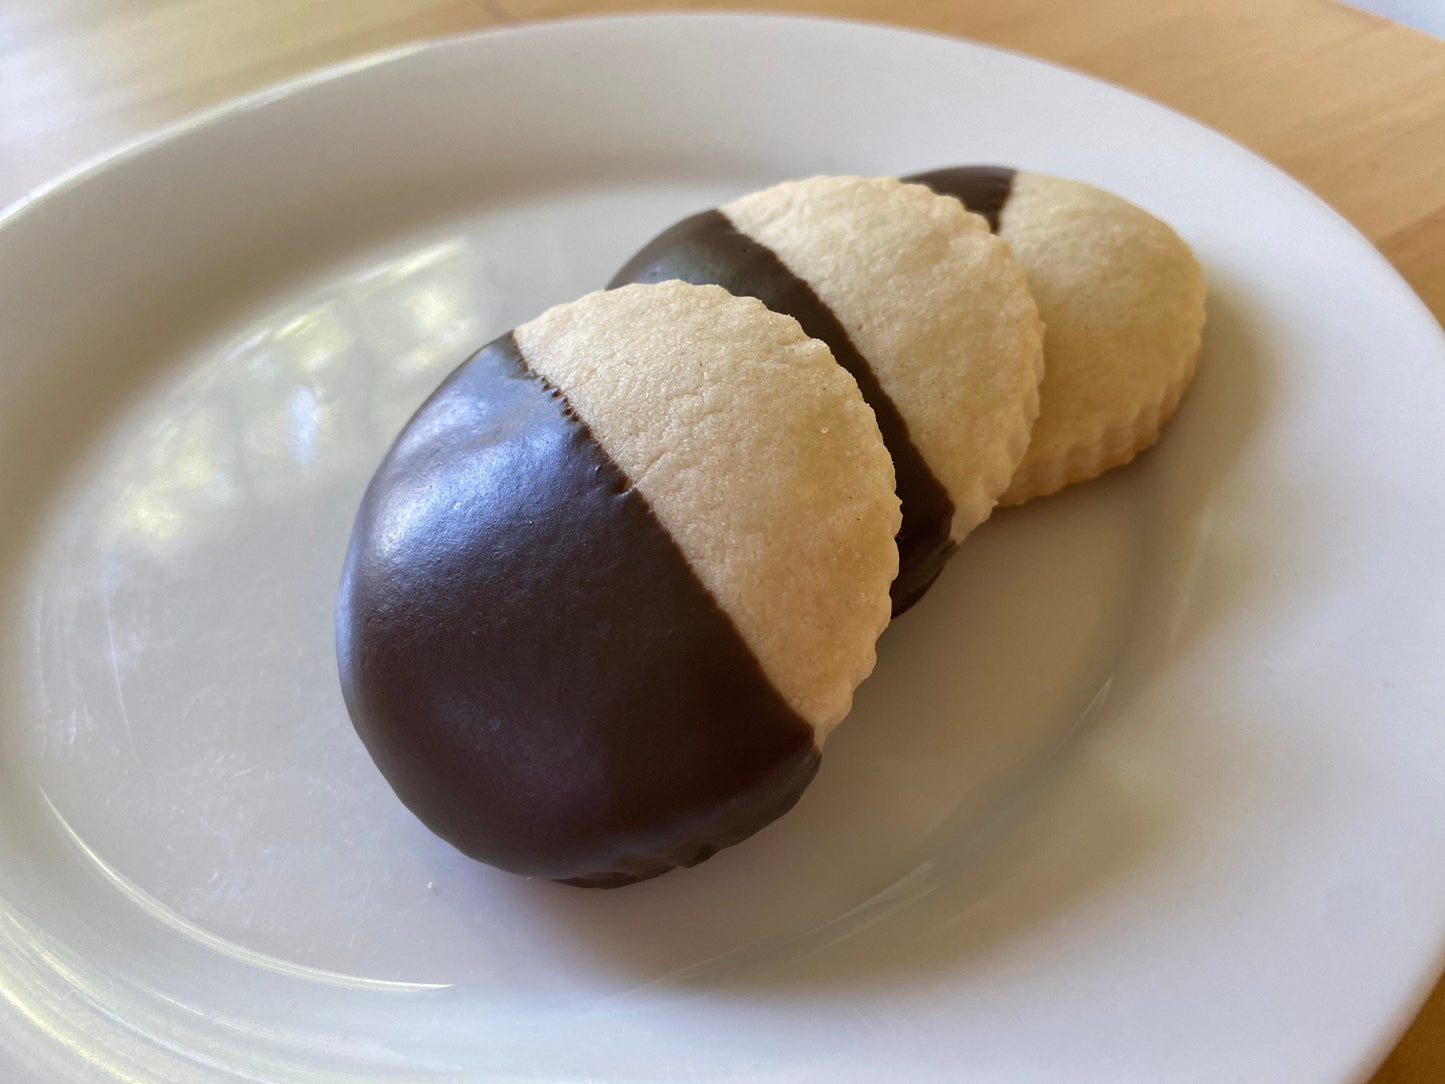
(1150, 788)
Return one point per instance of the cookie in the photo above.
(615, 582)
(918, 301)
(1122, 299)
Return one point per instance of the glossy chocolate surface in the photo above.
(708, 249)
(531, 661)
(982, 189)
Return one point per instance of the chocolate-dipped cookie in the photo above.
(918, 301)
(1122, 298)
(615, 582)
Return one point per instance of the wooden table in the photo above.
(1350, 104)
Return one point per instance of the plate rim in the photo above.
(205, 116)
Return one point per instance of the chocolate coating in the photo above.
(707, 249)
(531, 661)
(982, 189)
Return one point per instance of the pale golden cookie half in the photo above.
(1122, 300)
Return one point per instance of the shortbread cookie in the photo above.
(615, 582)
(1122, 298)
(919, 302)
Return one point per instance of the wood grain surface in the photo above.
(1350, 104)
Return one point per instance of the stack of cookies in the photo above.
(618, 578)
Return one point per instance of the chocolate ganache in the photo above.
(982, 189)
(707, 249)
(531, 661)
